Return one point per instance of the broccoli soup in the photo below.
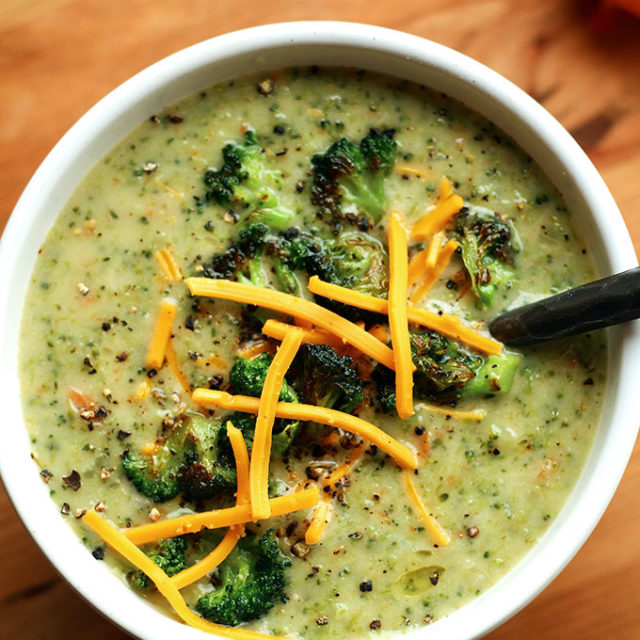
(255, 347)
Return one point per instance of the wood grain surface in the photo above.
(58, 57)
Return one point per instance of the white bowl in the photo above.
(337, 44)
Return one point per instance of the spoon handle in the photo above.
(592, 306)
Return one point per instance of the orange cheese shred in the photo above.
(241, 455)
(433, 274)
(437, 218)
(168, 264)
(296, 307)
(210, 561)
(381, 332)
(161, 334)
(417, 266)
(439, 536)
(255, 349)
(333, 479)
(319, 521)
(403, 455)
(219, 518)
(434, 249)
(476, 414)
(261, 450)
(398, 321)
(446, 323)
(278, 330)
(446, 190)
(120, 543)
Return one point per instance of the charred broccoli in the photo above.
(167, 554)
(349, 178)
(187, 460)
(487, 247)
(243, 259)
(326, 379)
(246, 185)
(252, 579)
(445, 370)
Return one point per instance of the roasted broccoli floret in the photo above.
(487, 245)
(167, 554)
(445, 371)
(246, 185)
(252, 578)
(352, 259)
(326, 379)
(247, 378)
(187, 460)
(246, 258)
(349, 179)
(205, 473)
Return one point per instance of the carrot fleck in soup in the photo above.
(256, 371)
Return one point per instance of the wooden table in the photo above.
(58, 57)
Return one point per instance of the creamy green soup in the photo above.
(494, 485)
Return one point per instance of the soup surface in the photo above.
(89, 394)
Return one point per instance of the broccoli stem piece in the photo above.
(495, 375)
(253, 578)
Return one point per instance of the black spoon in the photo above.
(591, 306)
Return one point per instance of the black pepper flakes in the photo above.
(46, 475)
(98, 553)
(279, 129)
(419, 431)
(472, 532)
(65, 509)
(366, 586)
(152, 373)
(123, 435)
(321, 621)
(588, 382)
(121, 357)
(175, 119)
(190, 323)
(73, 480)
(375, 625)
(434, 577)
(106, 326)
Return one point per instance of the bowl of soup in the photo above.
(247, 376)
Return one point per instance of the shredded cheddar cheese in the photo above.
(219, 518)
(477, 414)
(161, 334)
(278, 330)
(296, 307)
(142, 391)
(446, 190)
(261, 450)
(120, 543)
(402, 454)
(439, 536)
(417, 266)
(433, 274)
(381, 332)
(398, 322)
(437, 218)
(241, 455)
(255, 349)
(210, 561)
(168, 264)
(434, 249)
(319, 521)
(445, 323)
